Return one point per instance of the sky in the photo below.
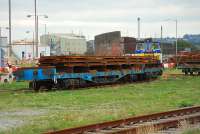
(93, 17)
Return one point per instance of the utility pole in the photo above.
(33, 45)
(138, 28)
(45, 29)
(176, 37)
(36, 28)
(10, 30)
(176, 42)
(161, 37)
(0, 31)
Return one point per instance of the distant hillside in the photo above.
(192, 38)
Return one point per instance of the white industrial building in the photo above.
(3, 50)
(27, 50)
(4, 44)
(64, 44)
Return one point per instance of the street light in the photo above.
(10, 28)
(7, 28)
(28, 32)
(138, 19)
(36, 30)
(176, 21)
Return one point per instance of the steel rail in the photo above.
(171, 119)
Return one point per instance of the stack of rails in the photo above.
(188, 62)
(67, 71)
(95, 61)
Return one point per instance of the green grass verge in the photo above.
(65, 109)
(196, 131)
(13, 86)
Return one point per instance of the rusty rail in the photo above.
(74, 61)
(132, 125)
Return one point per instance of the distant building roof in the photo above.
(23, 42)
(66, 35)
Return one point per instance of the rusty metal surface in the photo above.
(108, 44)
(129, 45)
(133, 125)
(183, 58)
(73, 61)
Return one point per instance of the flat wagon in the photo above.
(64, 72)
(189, 63)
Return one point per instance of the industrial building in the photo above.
(64, 44)
(112, 44)
(129, 44)
(90, 47)
(3, 50)
(25, 49)
(108, 44)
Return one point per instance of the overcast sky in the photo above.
(92, 17)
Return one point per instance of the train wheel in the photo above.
(30, 85)
(49, 87)
(191, 73)
(63, 84)
(186, 72)
(36, 86)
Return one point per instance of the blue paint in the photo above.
(51, 74)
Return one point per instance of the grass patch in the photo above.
(196, 131)
(13, 85)
(172, 71)
(65, 109)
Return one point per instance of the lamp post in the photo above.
(7, 28)
(10, 29)
(176, 22)
(36, 30)
(138, 19)
(33, 49)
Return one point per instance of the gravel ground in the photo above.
(17, 118)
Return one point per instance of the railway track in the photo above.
(141, 124)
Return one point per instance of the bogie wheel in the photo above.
(30, 85)
(186, 72)
(49, 87)
(36, 86)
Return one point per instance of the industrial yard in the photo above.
(99, 67)
(47, 111)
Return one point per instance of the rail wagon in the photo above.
(65, 72)
(189, 63)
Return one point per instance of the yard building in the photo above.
(25, 49)
(112, 44)
(64, 44)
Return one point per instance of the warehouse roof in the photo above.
(68, 36)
